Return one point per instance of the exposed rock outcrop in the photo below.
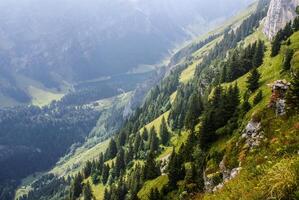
(253, 134)
(279, 14)
(278, 102)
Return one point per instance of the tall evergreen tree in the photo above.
(154, 194)
(276, 43)
(176, 170)
(105, 173)
(293, 94)
(253, 80)
(76, 187)
(154, 140)
(151, 169)
(112, 150)
(107, 195)
(87, 193)
(164, 133)
(120, 162)
(145, 134)
(287, 59)
(258, 97)
(194, 110)
(259, 54)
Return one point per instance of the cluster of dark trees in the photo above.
(219, 114)
(231, 38)
(28, 134)
(48, 186)
(242, 60)
(283, 35)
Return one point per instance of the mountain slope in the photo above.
(224, 123)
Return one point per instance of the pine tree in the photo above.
(154, 194)
(154, 140)
(105, 173)
(296, 24)
(87, 169)
(87, 193)
(194, 110)
(120, 162)
(253, 80)
(145, 134)
(107, 195)
(164, 133)
(276, 44)
(258, 97)
(259, 54)
(287, 59)
(111, 151)
(176, 170)
(76, 187)
(199, 162)
(292, 97)
(151, 169)
(100, 163)
(137, 144)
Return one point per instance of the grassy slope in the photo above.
(73, 163)
(42, 97)
(263, 167)
(186, 76)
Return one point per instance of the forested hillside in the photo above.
(224, 124)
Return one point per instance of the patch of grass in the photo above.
(42, 97)
(148, 185)
(73, 164)
(157, 122)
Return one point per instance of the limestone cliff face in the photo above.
(280, 12)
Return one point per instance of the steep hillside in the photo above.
(224, 123)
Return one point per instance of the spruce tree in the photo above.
(296, 24)
(259, 54)
(199, 165)
(164, 133)
(151, 169)
(287, 59)
(258, 97)
(107, 195)
(176, 170)
(194, 110)
(145, 134)
(154, 140)
(292, 98)
(137, 144)
(253, 80)
(76, 187)
(105, 173)
(87, 193)
(154, 194)
(276, 44)
(120, 162)
(111, 151)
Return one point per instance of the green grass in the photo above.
(97, 190)
(156, 183)
(73, 164)
(42, 97)
(270, 169)
(156, 122)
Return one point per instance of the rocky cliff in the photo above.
(280, 12)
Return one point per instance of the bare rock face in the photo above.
(279, 14)
(253, 134)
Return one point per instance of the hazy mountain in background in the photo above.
(56, 43)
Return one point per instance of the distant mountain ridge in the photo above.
(58, 43)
